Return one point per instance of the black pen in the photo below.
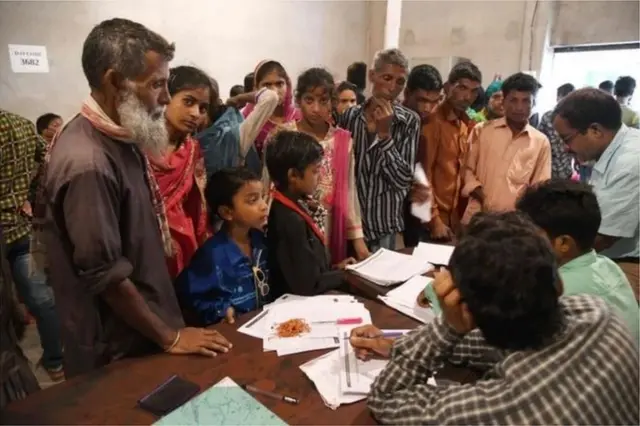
(289, 399)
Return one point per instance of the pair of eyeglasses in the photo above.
(260, 280)
(567, 139)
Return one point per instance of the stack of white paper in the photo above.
(341, 378)
(404, 299)
(321, 313)
(436, 254)
(387, 267)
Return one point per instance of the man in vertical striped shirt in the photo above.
(385, 136)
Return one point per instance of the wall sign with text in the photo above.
(28, 59)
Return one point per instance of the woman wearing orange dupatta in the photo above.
(180, 172)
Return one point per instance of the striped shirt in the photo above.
(588, 374)
(384, 168)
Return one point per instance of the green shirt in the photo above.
(599, 276)
(591, 274)
(630, 117)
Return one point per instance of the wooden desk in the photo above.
(109, 395)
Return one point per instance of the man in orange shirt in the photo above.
(422, 95)
(444, 148)
(507, 154)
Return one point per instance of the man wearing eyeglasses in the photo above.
(589, 121)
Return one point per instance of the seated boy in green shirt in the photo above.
(569, 214)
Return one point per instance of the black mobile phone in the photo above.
(170, 395)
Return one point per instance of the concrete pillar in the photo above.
(383, 30)
(392, 24)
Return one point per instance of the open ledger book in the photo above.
(387, 267)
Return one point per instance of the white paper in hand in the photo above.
(421, 210)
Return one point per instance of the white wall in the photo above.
(588, 22)
(226, 38)
(509, 36)
(487, 32)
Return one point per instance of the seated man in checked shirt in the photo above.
(546, 360)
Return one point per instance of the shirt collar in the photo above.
(603, 161)
(234, 253)
(502, 122)
(579, 262)
(444, 109)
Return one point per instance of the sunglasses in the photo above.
(260, 279)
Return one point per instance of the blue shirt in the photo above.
(616, 182)
(220, 144)
(220, 276)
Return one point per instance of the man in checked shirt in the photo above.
(21, 149)
(546, 360)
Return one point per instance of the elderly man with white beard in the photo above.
(99, 214)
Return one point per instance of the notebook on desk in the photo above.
(225, 403)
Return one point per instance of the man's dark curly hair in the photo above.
(506, 273)
(563, 207)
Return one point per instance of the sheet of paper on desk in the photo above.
(437, 254)
(418, 313)
(325, 373)
(321, 314)
(421, 210)
(337, 298)
(322, 317)
(407, 293)
(258, 326)
(356, 377)
(387, 267)
(404, 299)
(225, 403)
(307, 345)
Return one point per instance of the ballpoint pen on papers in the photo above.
(393, 334)
(387, 334)
(341, 321)
(285, 398)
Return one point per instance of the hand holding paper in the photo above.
(421, 195)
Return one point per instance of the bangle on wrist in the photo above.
(175, 342)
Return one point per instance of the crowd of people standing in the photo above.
(156, 170)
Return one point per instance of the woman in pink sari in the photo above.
(272, 75)
(335, 205)
(180, 171)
